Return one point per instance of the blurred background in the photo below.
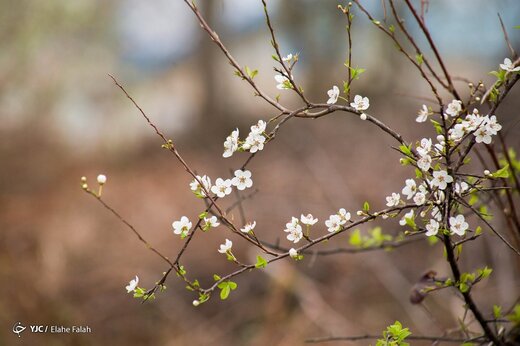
(64, 260)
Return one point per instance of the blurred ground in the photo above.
(64, 260)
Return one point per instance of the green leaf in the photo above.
(260, 262)
(224, 292)
(497, 311)
(502, 172)
(515, 316)
(500, 74)
(355, 238)
(366, 207)
(232, 285)
(216, 277)
(406, 149)
(419, 58)
(346, 87)
(355, 72)
(463, 287)
(438, 127)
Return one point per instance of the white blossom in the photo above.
(248, 227)
(295, 231)
(308, 219)
(343, 215)
(293, 223)
(425, 163)
(363, 116)
(242, 179)
(492, 125)
(231, 144)
(259, 127)
(283, 82)
(441, 179)
(211, 222)
(482, 135)
(432, 228)
(333, 95)
(457, 132)
(454, 108)
(224, 248)
(132, 285)
(461, 187)
(334, 223)
(425, 146)
(182, 226)
(360, 103)
(422, 115)
(419, 198)
(293, 253)
(458, 225)
(287, 58)
(393, 200)
(473, 121)
(222, 187)
(196, 188)
(508, 66)
(254, 142)
(409, 189)
(408, 215)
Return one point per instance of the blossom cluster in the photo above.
(482, 127)
(254, 141)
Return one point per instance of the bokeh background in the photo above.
(64, 260)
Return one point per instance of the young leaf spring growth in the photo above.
(242, 179)
(508, 66)
(333, 95)
(248, 227)
(132, 285)
(360, 103)
(182, 226)
(458, 225)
